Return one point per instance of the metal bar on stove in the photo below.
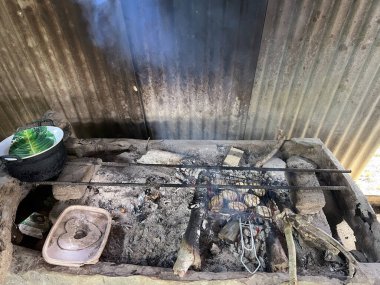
(217, 167)
(176, 185)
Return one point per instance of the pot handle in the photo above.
(5, 158)
(49, 121)
(37, 123)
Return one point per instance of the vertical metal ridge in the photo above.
(370, 117)
(50, 67)
(347, 62)
(313, 67)
(294, 16)
(340, 149)
(41, 72)
(10, 79)
(272, 124)
(203, 69)
(46, 42)
(357, 161)
(325, 85)
(10, 53)
(262, 65)
(367, 73)
(259, 124)
(83, 71)
(66, 59)
(295, 73)
(317, 97)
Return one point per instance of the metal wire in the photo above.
(218, 167)
(177, 185)
(251, 248)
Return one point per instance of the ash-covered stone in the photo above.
(281, 196)
(278, 176)
(156, 156)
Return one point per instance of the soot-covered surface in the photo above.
(149, 222)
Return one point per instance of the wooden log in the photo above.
(291, 253)
(320, 239)
(60, 121)
(189, 252)
(230, 231)
(90, 147)
(278, 260)
(280, 141)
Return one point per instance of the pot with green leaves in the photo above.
(34, 154)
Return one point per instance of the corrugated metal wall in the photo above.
(318, 76)
(48, 60)
(187, 69)
(198, 83)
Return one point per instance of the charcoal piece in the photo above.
(230, 231)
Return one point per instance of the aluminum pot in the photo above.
(39, 166)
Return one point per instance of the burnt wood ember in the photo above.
(278, 260)
(280, 141)
(189, 252)
(230, 231)
(319, 239)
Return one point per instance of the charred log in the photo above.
(280, 141)
(230, 231)
(278, 260)
(189, 252)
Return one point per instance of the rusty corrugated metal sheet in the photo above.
(193, 64)
(195, 61)
(48, 61)
(318, 76)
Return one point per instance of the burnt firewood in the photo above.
(230, 231)
(92, 147)
(60, 120)
(280, 141)
(317, 237)
(189, 252)
(293, 280)
(278, 260)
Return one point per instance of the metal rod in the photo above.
(176, 185)
(218, 167)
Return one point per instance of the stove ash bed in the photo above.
(235, 211)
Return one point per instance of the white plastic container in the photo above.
(78, 237)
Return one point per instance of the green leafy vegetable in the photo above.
(31, 141)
